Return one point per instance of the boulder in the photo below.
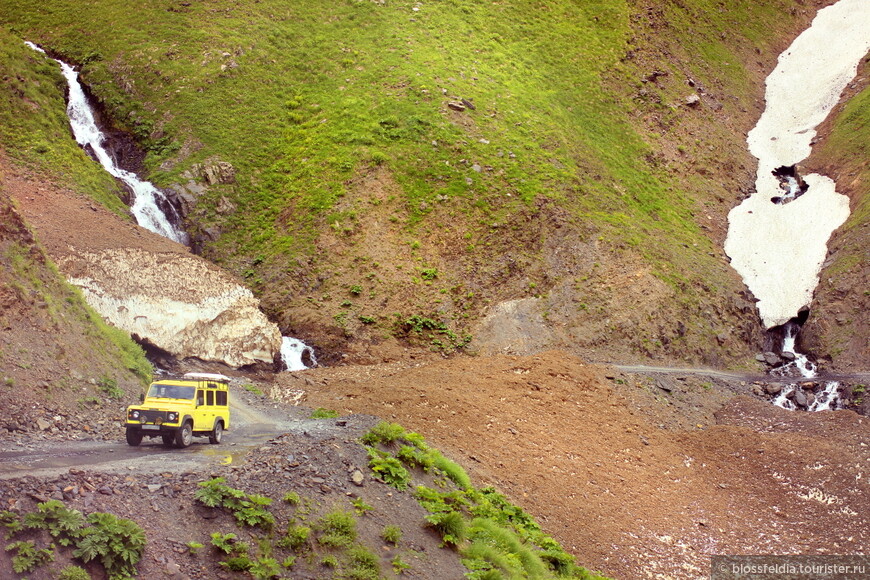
(786, 355)
(800, 398)
(771, 358)
(773, 388)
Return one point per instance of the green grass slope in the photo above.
(362, 205)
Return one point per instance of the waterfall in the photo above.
(292, 350)
(149, 202)
(793, 396)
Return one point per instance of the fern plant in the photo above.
(64, 524)
(388, 469)
(249, 510)
(117, 543)
(27, 556)
(12, 522)
(223, 542)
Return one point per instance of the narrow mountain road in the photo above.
(250, 428)
(737, 376)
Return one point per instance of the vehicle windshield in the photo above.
(171, 392)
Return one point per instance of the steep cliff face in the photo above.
(176, 302)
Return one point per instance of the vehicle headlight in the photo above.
(134, 414)
(172, 417)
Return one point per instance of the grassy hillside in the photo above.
(363, 205)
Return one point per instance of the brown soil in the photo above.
(623, 491)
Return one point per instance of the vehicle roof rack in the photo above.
(207, 377)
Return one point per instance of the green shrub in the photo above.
(223, 542)
(391, 534)
(415, 457)
(337, 529)
(12, 522)
(249, 510)
(118, 544)
(383, 433)
(363, 564)
(64, 524)
(451, 526)
(399, 565)
(321, 413)
(73, 573)
(238, 563)
(452, 470)
(388, 469)
(295, 538)
(27, 556)
(193, 548)
(360, 506)
(265, 569)
(109, 386)
(291, 497)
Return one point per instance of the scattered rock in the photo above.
(357, 478)
(693, 100)
(456, 105)
(771, 358)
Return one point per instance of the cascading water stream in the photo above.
(148, 201)
(149, 204)
(792, 397)
(292, 351)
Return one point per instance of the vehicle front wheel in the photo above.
(184, 436)
(217, 433)
(134, 436)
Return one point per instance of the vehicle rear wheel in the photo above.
(184, 436)
(134, 436)
(217, 433)
(168, 439)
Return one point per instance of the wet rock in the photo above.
(773, 388)
(787, 355)
(811, 398)
(771, 358)
(800, 398)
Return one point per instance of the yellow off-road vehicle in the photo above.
(198, 404)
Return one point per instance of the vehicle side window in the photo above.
(222, 398)
(200, 400)
(209, 397)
